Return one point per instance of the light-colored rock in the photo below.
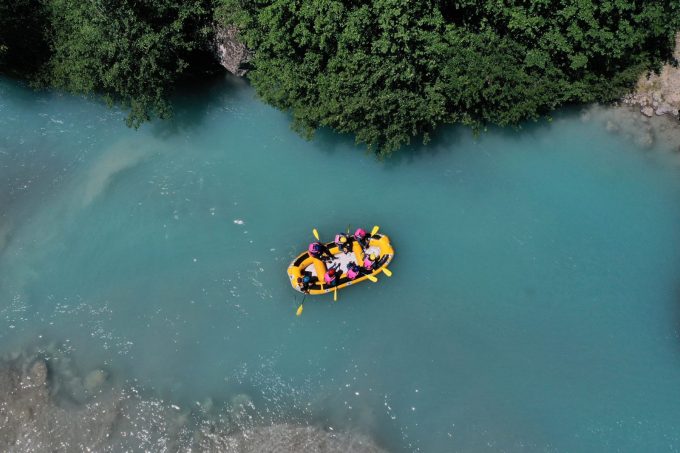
(662, 91)
(232, 54)
(664, 109)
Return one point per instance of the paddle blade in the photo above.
(372, 278)
(335, 294)
(375, 230)
(387, 272)
(299, 310)
(316, 234)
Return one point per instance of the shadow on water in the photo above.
(443, 140)
(330, 142)
(532, 127)
(194, 100)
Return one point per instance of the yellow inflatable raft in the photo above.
(305, 264)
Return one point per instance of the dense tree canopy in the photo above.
(384, 70)
(389, 70)
(23, 40)
(130, 52)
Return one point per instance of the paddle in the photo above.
(316, 234)
(299, 310)
(374, 230)
(335, 294)
(372, 278)
(387, 272)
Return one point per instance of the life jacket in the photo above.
(368, 264)
(330, 279)
(352, 271)
(343, 246)
(304, 284)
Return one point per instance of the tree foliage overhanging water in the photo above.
(385, 70)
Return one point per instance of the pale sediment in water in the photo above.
(645, 132)
(45, 405)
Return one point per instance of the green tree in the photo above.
(384, 70)
(23, 41)
(371, 70)
(130, 52)
(391, 70)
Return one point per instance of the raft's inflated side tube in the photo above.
(302, 262)
(358, 252)
(297, 267)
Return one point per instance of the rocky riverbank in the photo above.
(659, 94)
(46, 405)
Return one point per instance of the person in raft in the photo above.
(370, 262)
(361, 237)
(320, 251)
(304, 283)
(353, 270)
(343, 242)
(332, 276)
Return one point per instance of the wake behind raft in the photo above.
(330, 266)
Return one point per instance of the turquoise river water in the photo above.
(534, 306)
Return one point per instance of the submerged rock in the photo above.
(284, 438)
(94, 380)
(645, 131)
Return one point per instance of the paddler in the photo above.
(370, 262)
(320, 251)
(343, 242)
(361, 237)
(332, 276)
(353, 270)
(304, 283)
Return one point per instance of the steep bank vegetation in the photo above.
(389, 70)
(131, 53)
(384, 70)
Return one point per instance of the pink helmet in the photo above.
(313, 247)
(360, 233)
